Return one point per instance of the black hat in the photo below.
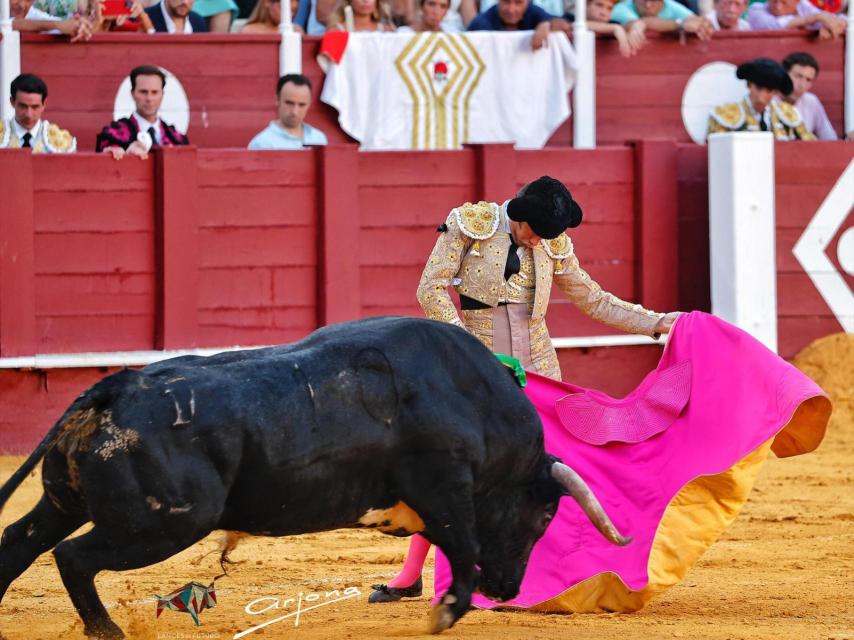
(547, 206)
(767, 73)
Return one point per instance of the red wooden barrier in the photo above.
(805, 175)
(230, 81)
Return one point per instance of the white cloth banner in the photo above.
(440, 91)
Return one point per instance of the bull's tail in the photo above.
(96, 397)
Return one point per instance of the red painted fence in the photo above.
(230, 81)
(212, 248)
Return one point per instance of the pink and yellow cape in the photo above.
(672, 463)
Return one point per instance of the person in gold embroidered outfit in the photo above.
(502, 260)
(504, 296)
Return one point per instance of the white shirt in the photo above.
(36, 14)
(144, 125)
(712, 16)
(170, 25)
(20, 131)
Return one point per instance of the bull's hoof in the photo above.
(104, 630)
(442, 616)
(384, 593)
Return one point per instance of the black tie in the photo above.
(512, 265)
(27, 137)
(762, 125)
(153, 137)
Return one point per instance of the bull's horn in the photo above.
(581, 493)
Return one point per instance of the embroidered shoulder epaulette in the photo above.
(788, 113)
(59, 140)
(4, 134)
(559, 248)
(729, 115)
(478, 221)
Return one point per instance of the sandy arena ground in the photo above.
(784, 570)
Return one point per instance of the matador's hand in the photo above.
(666, 323)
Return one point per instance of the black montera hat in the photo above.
(547, 206)
(767, 73)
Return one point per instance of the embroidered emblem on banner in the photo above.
(441, 72)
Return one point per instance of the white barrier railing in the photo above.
(742, 232)
(290, 49)
(849, 70)
(10, 58)
(584, 93)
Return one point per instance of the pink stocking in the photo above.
(418, 549)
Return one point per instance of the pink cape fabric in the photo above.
(716, 395)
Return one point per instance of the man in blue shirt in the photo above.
(290, 131)
(664, 16)
(519, 15)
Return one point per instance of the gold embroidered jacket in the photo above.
(471, 255)
(786, 121)
(50, 138)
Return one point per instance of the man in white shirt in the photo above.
(27, 19)
(726, 16)
(290, 131)
(143, 129)
(803, 70)
(27, 129)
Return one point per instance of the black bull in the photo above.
(399, 424)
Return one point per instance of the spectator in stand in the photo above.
(726, 15)
(520, 15)
(137, 21)
(630, 38)
(266, 16)
(143, 129)
(430, 17)
(218, 14)
(795, 14)
(290, 131)
(664, 16)
(551, 7)
(27, 19)
(803, 70)
(176, 16)
(27, 130)
(459, 16)
(762, 109)
(62, 9)
(361, 15)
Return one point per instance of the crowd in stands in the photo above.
(626, 20)
(144, 129)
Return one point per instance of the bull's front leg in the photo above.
(442, 495)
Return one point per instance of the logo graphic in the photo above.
(810, 249)
(441, 72)
(192, 598)
(315, 600)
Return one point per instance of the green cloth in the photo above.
(516, 366)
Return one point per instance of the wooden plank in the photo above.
(656, 280)
(257, 206)
(426, 207)
(91, 172)
(238, 168)
(257, 247)
(426, 168)
(86, 252)
(93, 211)
(176, 248)
(339, 219)
(819, 163)
(574, 167)
(798, 297)
(495, 173)
(17, 255)
(75, 334)
(295, 286)
(71, 294)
